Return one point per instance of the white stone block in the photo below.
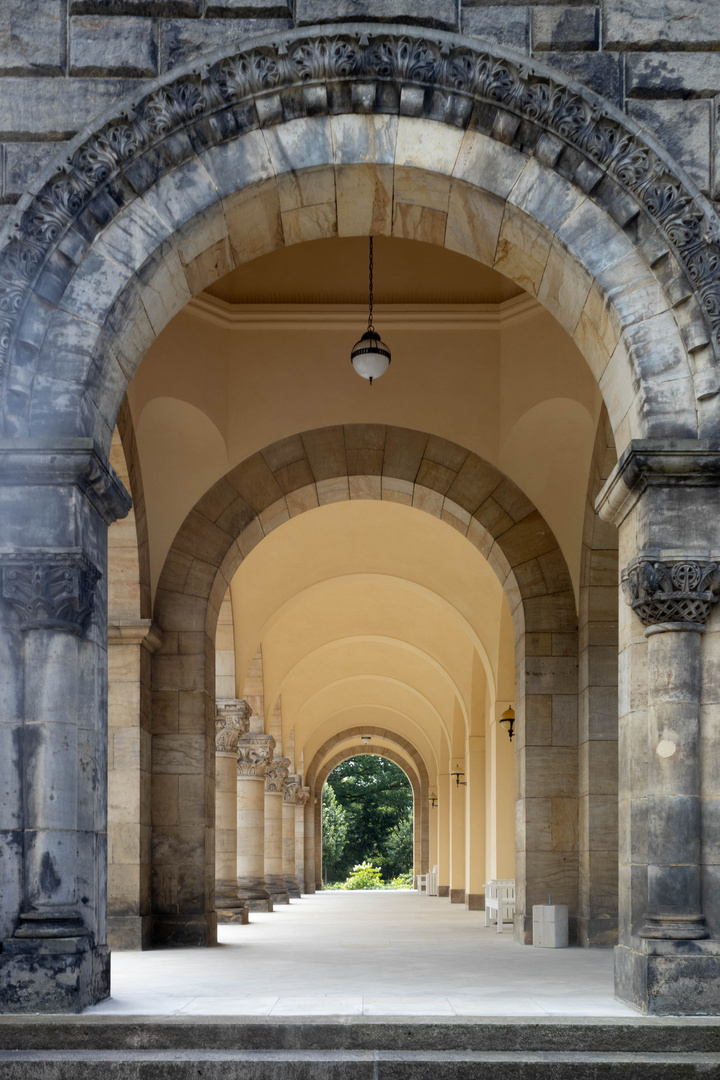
(550, 926)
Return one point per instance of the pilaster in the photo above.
(665, 500)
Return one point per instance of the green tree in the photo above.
(399, 848)
(377, 798)
(334, 832)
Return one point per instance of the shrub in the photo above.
(364, 876)
(402, 881)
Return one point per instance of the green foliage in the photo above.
(364, 876)
(399, 843)
(377, 800)
(402, 881)
(334, 832)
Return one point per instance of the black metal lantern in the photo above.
(457, 773)
(508, 721)
(370, 356)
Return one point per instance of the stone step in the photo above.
(395, 1035)
(350, 1065)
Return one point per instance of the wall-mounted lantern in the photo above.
(457, 773)
(508, 721)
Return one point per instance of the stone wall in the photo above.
(63, 62)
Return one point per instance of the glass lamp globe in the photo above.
(370, 356)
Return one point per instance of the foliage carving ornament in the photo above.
(677, 592)
(50, 590)
(254, 752)
(338, 69)
(232, 719)
(276, 773)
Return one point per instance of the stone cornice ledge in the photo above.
(143, 632)
(657, 463)
(61, 461)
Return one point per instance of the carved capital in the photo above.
(276, 774)
(302, 794)
(675, 593)
(232, 719)
(291, 786)
(52, 590)
(254, 752)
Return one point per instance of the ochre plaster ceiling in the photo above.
(336, 272)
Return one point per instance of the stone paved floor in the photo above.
(372, 953)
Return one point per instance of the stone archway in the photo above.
(543, 178)
(320, 767)
(420, 823)
(292, 477)
(535, 175)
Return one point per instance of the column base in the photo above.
(254, 894)
(443, 890)
(275, 885)
(129, 932)
(292, 888)
(597, 933)
(239, 916)
(669, 978)
(457, 896)
(185, 931)
(475, 901)
(309, 889)
(52, 975)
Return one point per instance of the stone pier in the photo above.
(289, 808)
(254, 753)
(275, 776)
(232, 720)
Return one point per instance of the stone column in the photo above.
(673, 601)
(232, 720)
(254, 753)
(53, 723)
(275, 776)
(665, 498)
(292, 787)
(301, 797)
(309, 845)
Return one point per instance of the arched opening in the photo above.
(367, 824)
(196, 184)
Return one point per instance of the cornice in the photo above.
(348, 316)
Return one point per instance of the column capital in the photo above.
(657, 463)
(291, 785)
(65, 461)
(276, 773)
(254, 753)
(671, 593)
(302, 794)
(53, 590)
(232, 720)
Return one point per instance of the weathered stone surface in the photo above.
(32, 38)
(441, 13)
(113, 46)
(506, 24)
(682, 126)
(157, 8)
(675, 23)
(184, 38)
(55, 107)
(564, 29)
(601, 71)
(672, 74)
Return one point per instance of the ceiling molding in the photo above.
(352, 316)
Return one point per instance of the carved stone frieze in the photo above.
(276, 774)
(673, 591)
(403, 70)
(49, 590)
(254, 752)
(232, 720)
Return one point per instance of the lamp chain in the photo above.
(370, 313)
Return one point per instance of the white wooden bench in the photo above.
(500, 899)
(427, 883)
